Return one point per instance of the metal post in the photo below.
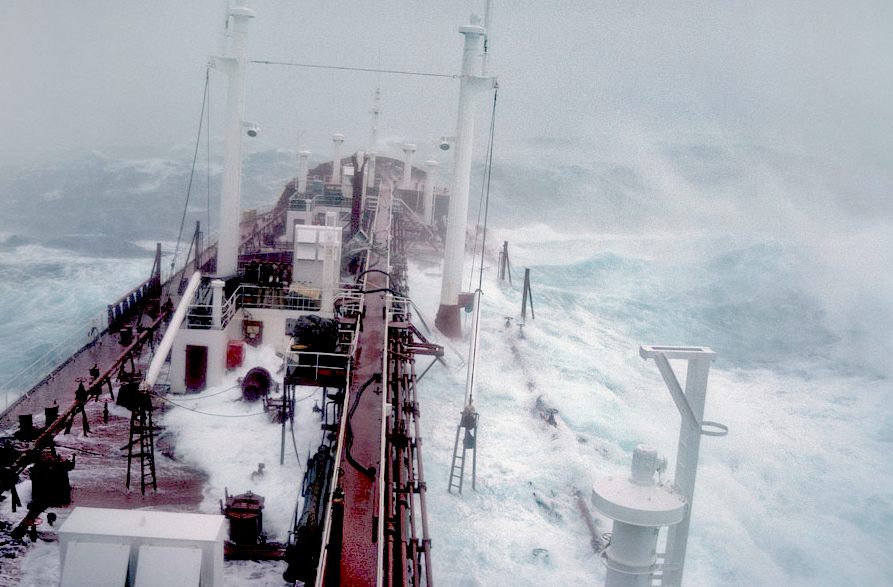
(428, 208)
(504, 265)
(217, 304)
(690, 404)
(526, 297)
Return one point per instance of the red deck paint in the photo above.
(360, 563)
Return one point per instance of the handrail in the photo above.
(253, 296)
(338, 362)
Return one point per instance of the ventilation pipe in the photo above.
(370, 170)
(256, 384)
(167, 341)
(408, 150)
(639, 508)
(303, 169)
(431, 165)
(337, 141)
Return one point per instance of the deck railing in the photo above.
(307, 299)
(78, 337)
(314, 366)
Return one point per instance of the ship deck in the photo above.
(355, 548)
(361, 459)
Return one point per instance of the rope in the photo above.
(198, 397)
(198, 137)
(208, 166)
(162, 398)
(485, 198)
(488, 175)
(345, 68)
(313, 393)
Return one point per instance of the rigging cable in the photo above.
(488, 175)
(486, 199)
(345, 68)
(198, 137)
(207, 168)
(485, 193)
(162, 398)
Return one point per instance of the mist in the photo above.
(812, 77)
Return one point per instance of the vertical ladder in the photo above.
(142, 432)
(468, 423)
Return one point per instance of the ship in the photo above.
(297, 320)
(256, 413)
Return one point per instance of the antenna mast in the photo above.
(485, 57)
(373, 142)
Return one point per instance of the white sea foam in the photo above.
(226, 437)
(802, 468)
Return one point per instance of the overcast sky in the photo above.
(128, 75)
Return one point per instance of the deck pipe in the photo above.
(167, 340)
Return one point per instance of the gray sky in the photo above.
(112, 75)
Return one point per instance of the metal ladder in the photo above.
(142, 431)
(468, 423)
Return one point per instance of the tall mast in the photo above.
(471, 84)
(235, 66)
(486, 56)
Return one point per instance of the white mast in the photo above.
(471, 84)
(373, 143)
(234, 65)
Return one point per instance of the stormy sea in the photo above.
(763, 255)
